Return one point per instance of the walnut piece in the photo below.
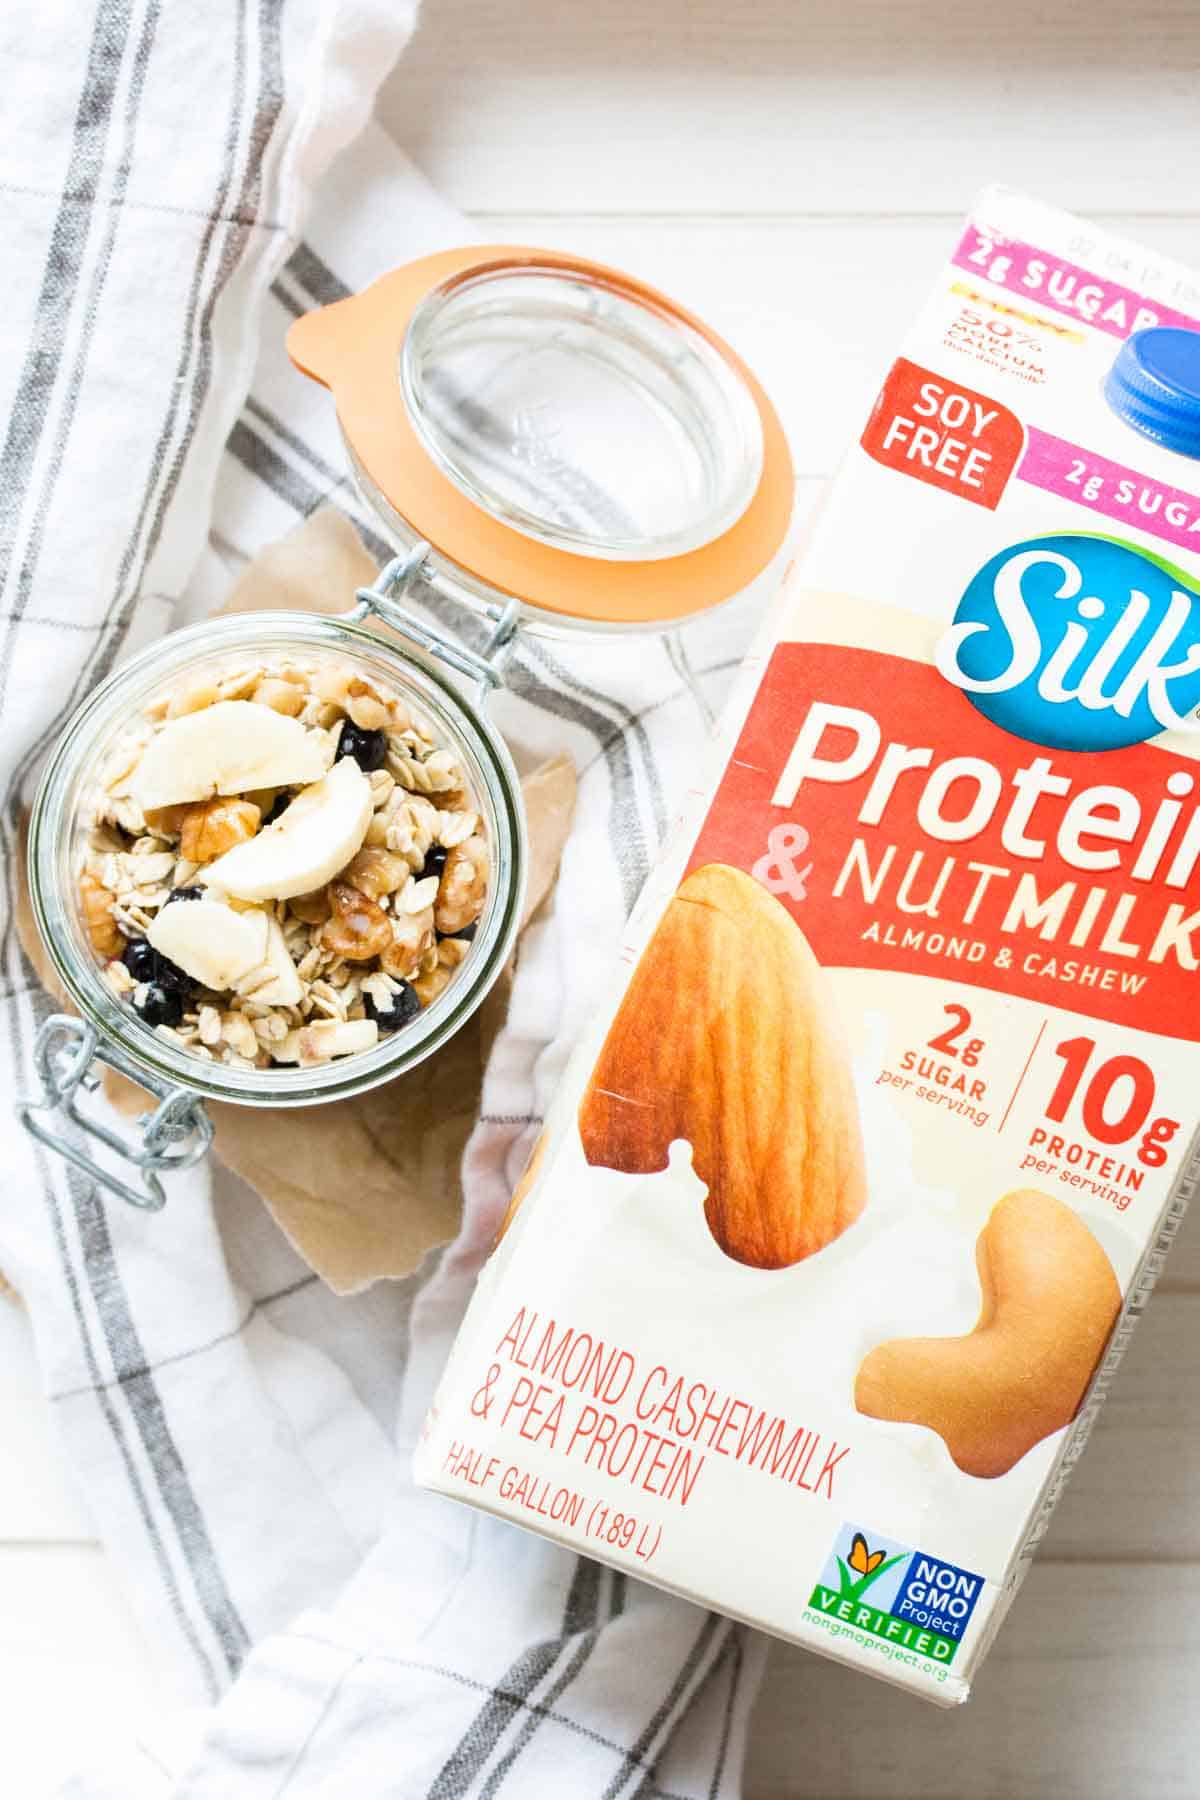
(311, 909)
(463, 887)
(164, 821)
(427, 987)
(375, 872)
(95, 901)
(193, 699)
(210, 827)
(359, 928)
(412, 935)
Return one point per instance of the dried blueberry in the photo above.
(160, 1005)
(368, 748)
(145, 963)
(401, 1007)
(141, 959)
(467, 932)
(280, 804)
(184, 893)
(435, 861)
(170, 975)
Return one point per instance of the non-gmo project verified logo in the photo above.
(891, 1591)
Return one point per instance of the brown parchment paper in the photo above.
(363, 1188)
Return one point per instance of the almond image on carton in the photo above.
(1050, 1301)
(725, 1038)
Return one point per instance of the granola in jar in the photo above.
(280, 864)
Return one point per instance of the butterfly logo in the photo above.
(862, 1560)
(864, 1566)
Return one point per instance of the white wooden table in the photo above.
(794, 171)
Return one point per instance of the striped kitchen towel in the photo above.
(177, 187)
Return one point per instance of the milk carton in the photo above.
(843, 1211)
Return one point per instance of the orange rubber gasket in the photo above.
(353, 348)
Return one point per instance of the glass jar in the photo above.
(550, 444)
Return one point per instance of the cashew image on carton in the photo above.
(1050, 1300)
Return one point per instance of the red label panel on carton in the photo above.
(965, 864)
(943, 433)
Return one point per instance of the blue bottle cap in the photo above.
(1154, 385)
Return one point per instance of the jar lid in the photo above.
(559, 431)
(1154, 385)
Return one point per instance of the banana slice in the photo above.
(306, 846)
(229, 748)
(210, 942)
(326, 1038)
(275, 981)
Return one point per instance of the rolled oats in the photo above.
(383, 783)
(436, 773)
(120, 810)
(368, 713)
(281, 695)
(326, 999)
(192, 699)
(455, 828)
(119, 979)
(272, 1029)
(418, 894)
(239, 1034)
(380, 987)
(239, 685)
(410, 828)
(131, 919)
(309, 964)
(209, 1025)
